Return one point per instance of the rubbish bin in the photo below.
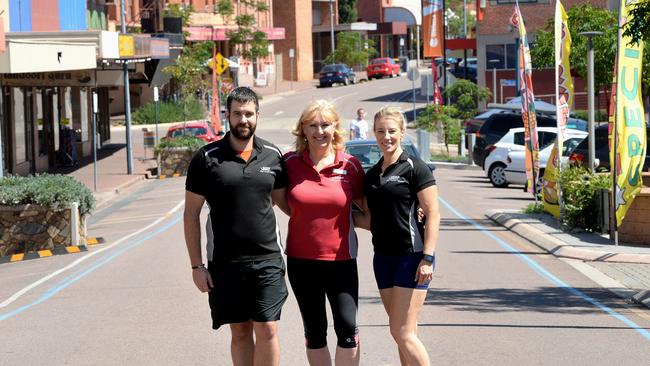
(403, 63)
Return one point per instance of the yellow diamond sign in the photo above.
(221, 64)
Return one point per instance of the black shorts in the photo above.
(313, 280)
(398, 270)
(246, 291)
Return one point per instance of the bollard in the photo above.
(470, 147)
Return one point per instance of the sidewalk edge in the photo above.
(557, 247)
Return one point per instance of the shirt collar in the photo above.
(257, 143)
(339, 157)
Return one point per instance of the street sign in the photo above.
(291, 53)
(222, 64)
(508, 82)
(413, 74)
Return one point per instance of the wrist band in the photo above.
(428, 258)
(198, 266)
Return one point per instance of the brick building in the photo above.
(496, 40)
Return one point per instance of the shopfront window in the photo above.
(40, 123)
(20, 132)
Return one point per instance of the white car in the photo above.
(497, 158)
(515, 172)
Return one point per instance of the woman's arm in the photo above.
(361, 218)
(428, 199)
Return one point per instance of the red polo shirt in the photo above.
(321, 226)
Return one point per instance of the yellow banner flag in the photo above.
(629, 143)
(563, 80)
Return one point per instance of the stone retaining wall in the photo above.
(174, 161)
(31, 228)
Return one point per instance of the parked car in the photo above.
(368, 153)
(199, 129)
(336, 73)
(380, 67)
(461, 67)
(580, 154)
(499, 124)
(515, 171)
(496, 161)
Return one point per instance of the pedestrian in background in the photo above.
(322, 246)
(404, 248)
(237, 176)
(359, 126)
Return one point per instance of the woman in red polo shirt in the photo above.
(321, 242)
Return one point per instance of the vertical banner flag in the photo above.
(480, 10)
(629, 135)
(564, 100)
(527, 102)
(432, 28)
(437, 97)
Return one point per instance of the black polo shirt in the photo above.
(241, 225)
(393, 201)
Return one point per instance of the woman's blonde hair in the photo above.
(394, 113)
(327, 112)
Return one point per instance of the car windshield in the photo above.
(379, 61)
(329, 68)
(570, 144)
(189, 131)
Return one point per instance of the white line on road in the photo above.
(343, 96)
(277, 113)
(23, 291)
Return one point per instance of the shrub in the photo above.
(190, 142)
(534, 208)
(50, 190)
(442, 120)
(580, 196)
(169, 112)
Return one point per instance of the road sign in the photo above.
(222, 63)
(413, 74)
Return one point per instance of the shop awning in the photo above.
(346, 27)
(29, 56)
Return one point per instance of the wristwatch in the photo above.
(429, 258)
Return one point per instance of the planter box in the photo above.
(174, 161)
(635, 228)
(30, 228)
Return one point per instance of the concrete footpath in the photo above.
(627, 265)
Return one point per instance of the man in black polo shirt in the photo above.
(238, 176)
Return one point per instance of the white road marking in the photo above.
(23, 291)
(343, 96)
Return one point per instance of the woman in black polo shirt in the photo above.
(404, 247)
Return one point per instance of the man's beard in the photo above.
(243, 131)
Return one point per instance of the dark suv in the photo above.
(601, 142)
(336, 73)
(499, 124)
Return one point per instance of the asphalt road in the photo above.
(495, 298)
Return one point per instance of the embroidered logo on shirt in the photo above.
(266, 169)
(340, 171)
(396, 179)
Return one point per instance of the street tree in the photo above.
(582, 18)
(443, 120)
(638, 27)
(251, 42)
(456, 19)
(352, 49)
(347, 11)
(465, 96)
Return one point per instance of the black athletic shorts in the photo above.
(246, 291)
(313, 280)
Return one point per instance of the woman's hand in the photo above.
(202, 279)
(424, 272)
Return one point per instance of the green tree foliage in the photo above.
(351, 49)
(456, 23)
(176, 11)
(190, 69)
(251, 41)
(466, 95)
(583, 18)
(580, 194)
(639, 26)
(347, 11)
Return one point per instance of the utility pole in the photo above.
(332, 28)
(127, 98)
(590, 98)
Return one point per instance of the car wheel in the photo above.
(497, 175)
(346, 81)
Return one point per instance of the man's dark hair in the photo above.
(242, 95)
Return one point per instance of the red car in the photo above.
(381, 67)
(199, 129)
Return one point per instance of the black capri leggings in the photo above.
(311, 280)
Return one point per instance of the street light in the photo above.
(127, 97)
(494, 63)
(332, 29)
(590, 97)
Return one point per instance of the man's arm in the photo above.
(279, 197)
(192, 226)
